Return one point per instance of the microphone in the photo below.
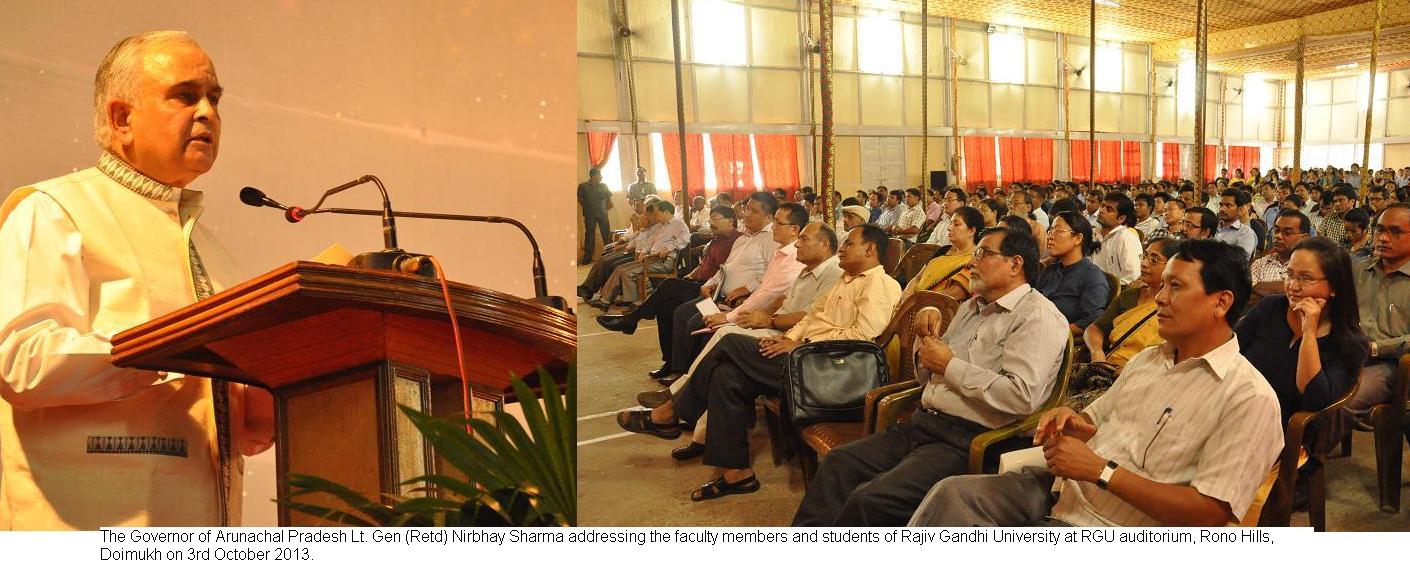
(254, 197)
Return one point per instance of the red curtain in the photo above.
(1211, 157)
(1079, 160)
(1038, 160)
(1130, 162)
(1245, 158)
(1011, 154)
(734, 166)
(694, 160)
(778, 160)
(1108, 160)
(599, 146)
(1171, 161)
(979, 166)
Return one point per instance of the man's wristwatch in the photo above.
(1107, 472)
(1374, 350)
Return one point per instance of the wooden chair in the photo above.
(1278, 510)
(914, 261)
(820, 438)
(1389, 420)
(894, 247)
(648, 279)
(1113, 285)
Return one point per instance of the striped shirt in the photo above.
(1209, 422)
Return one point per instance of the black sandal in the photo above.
(720, 488)
(639, 421)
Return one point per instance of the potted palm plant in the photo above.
(520, 474)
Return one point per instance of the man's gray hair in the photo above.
(118, 75)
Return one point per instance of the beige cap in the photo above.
(858, 211)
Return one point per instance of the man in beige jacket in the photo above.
(84, 444)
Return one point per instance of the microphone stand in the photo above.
(540, 281)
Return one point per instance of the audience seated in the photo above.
(910, 219)
(1233, 205)
(1308, 343)
(1357, 223)
(954, 200)
(1072, 282)
(675, 291)
(1200, 223)
(1383, 293)
(657, 257)
(947, 271)
(1184, 437)
(622, 251)
(1269, 271)
(1120, 254)
(817, 251)
(741, 367)
(1129, 325)
(853, 216)
(996, 363)
(738, 277)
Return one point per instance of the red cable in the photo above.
(459, 349)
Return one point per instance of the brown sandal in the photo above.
(639, 421)
(720, 488)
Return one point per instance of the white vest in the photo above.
(147, 459)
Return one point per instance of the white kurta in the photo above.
(84, 444)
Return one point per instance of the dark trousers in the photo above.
(880, 480)
(726, 383)
(594, 223)
(597, 276)
(673, 332)
(671, 293)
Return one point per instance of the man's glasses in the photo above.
(983, 252)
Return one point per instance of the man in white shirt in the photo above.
(84, 444)
(954, 200)
(1146, 220)
(1183, 438)
(1120, 254)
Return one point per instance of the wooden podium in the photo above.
(340, 347)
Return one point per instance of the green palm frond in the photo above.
(521, 474)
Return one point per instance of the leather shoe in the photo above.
(688, 452)
(653, 399)
(663, 371)
(618, 323)
(599, 304)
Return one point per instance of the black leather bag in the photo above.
(829, 381)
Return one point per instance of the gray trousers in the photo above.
(1374, 388)
(1019, 499)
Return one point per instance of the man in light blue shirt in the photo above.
(1231, 229)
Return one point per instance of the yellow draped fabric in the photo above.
(1145, 336)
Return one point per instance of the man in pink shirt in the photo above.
(783, 268)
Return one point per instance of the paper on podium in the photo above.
(335, 255)
(1016, 460)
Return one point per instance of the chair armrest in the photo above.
(891, 403)
(984, 441)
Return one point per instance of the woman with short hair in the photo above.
(1072, 282)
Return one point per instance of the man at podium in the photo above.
(84, 444)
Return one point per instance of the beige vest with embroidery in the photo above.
(148, 459)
